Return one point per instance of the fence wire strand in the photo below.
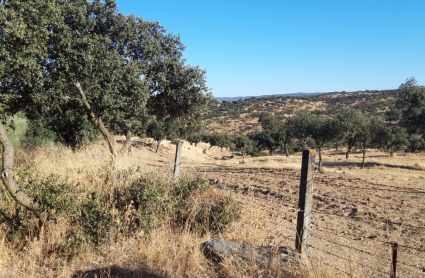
(348, 260)
(350, 247)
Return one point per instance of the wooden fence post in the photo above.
(304, 202)
(178, 160)
(394, 260)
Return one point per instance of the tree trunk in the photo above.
(320, 160)
(8, 177)
(211, 147)
(97, 121)
(348, 151)
(128, 142)
(286, 150)
(196, 144)
(336, 145)
(364, 154)
(158, 147)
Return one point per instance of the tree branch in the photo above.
(7, 174)
(97, 121)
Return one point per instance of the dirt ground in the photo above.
(357, 213)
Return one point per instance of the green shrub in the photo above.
(95, 218)
(57, 199)
(215, 216)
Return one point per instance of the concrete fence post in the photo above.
(178, 160)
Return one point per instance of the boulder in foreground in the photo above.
(282, 257)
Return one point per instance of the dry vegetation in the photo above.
(221, 117)
(351, 206)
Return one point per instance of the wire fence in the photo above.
(357, 251)
(378, 262)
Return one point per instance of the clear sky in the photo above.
(265, 47)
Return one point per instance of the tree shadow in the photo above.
(367, 165)
(114, 272)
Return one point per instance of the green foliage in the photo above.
(416, 144)
(40, 135)
(82, 61)
(16, 129)
(265, 140)
(149, 198)
(57, 199)
(68, 127)
(219, 140)
(194, 137)
(96, 217)
(215, 216)
(411, 102)
(391, 138)
(159, 130)
(186, 186)
(245, 145)
(269, 122)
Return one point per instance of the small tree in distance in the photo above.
(244, 145)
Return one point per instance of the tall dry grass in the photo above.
(163, 251)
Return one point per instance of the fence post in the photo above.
(394, 260)
(178, 160)
(304, 202)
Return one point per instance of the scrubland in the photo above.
(127, 218)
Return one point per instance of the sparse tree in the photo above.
(349, 123)
(368, 131)
(244, 145)
(320, 129)
(161, 130)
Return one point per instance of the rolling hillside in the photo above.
(241, 116)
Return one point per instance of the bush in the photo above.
(69, 126)
(416, 144)
(94, 217)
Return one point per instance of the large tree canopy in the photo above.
(63, 57)
(119, 68)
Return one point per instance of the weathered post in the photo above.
(304, 202)
(178, 160)
(394, 260)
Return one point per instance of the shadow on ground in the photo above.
(367, 165)
(114, 272)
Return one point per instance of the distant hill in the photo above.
(239, 115)
(221, 99)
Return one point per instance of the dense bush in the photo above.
(67, 127)
(95, 217)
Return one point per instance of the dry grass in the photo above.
(166, 251)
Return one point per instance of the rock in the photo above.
(218, 250)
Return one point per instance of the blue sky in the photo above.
(265, 47)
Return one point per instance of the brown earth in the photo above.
(357, 213)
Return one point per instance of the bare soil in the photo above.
(357, 213)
